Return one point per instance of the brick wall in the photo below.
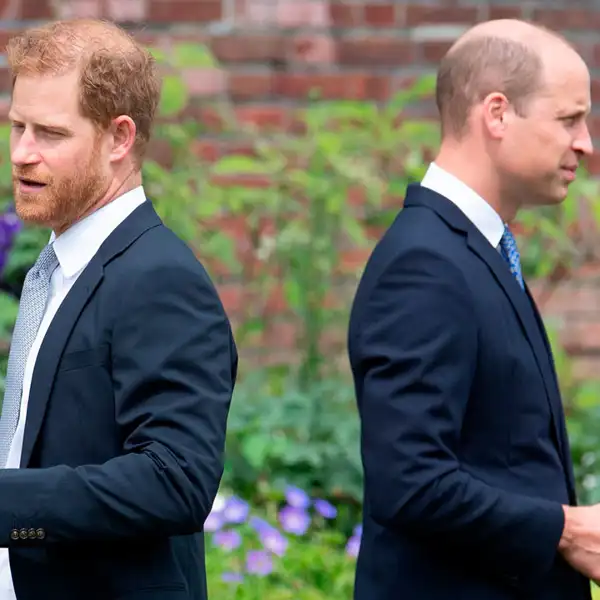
(275, 51)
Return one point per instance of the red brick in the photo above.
(433, 52)
(353, 260)
(280, 334)
(5, 36)
(79, 8)
(345, 15)
(276, 301)
(126, 11)
(571, 18)
(232, 296)
(250, 86)
(206, 150)
(36, 9)
(504, 12)
(375, 51)
(205, 82)
(434, 15)
(593, 120)
(249, 48)
(332, 86)
(595, 55)
(316, 49)
(586, 367)
(167, 11)
(581, 336)
(263, 116)
(5, 79)
(381, 15)
(592, 163)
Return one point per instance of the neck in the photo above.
(474, 168)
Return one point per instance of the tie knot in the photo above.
(508, 239)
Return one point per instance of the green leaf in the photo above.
(174, 96)
(160, 56)
(256, 449)
(187, 54)
(236, 164)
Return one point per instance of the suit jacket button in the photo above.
(23, 534)
(41, 534)
(14, 534)
(31, 534)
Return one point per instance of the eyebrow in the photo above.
(43, 126)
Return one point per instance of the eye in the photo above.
(573, 120)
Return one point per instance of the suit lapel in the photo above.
(525, 311)
(65, 320)
(51, 351)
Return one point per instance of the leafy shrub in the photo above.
(279, 433)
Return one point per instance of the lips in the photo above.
(26, 182)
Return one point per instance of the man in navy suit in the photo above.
(122, 361)
(469, 490)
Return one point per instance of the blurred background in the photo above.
(288, 132)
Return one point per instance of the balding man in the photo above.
(122, 363)
(469, 487)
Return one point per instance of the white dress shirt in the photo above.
(74, 249)
(475, 208)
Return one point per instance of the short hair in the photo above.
(117, 76)
(480, 66)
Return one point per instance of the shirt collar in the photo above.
(475, 208)
(77, 245)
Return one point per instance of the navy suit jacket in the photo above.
(464, 446)
(125, 433)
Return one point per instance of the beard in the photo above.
(62, 200)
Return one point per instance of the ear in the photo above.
(496, 113)
(123, 132)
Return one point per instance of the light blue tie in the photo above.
(34, 296)
(509, 250)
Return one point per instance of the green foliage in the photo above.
(279, 433)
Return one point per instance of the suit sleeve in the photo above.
(416, 346)
(173, 366)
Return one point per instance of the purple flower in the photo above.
(325, 509)
(232, 577)
(260, 525)
(358, 531)
(273, 541)
(258, 562)
(296, 497)
(229, 540)
(213, 522)
(236, 510)
(353, 546)
(294, 520)
(10, 225)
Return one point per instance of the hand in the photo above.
(580, 541)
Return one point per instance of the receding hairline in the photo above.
(510, 55)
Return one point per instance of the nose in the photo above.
(582, 144)
(23, 148)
